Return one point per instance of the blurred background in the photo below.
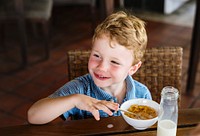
(34, 42)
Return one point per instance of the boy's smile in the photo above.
(100, 77)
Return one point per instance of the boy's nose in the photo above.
(103, 66)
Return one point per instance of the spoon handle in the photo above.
(128, 112)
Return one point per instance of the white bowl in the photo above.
(136, 123)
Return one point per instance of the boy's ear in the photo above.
(134, 68)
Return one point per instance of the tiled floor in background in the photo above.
(20, 89)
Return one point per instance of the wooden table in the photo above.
(188, 119)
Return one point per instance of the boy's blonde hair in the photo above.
(127, 30)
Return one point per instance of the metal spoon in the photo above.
(123, 110)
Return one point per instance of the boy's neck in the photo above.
(118, 91)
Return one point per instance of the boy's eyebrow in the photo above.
(95, 51)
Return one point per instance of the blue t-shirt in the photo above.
(85, 85)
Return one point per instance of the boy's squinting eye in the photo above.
(95, 55)
(114, 62)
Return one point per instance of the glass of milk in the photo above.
(168, 112)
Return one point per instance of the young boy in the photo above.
(119, 43)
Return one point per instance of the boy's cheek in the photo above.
(92, 64)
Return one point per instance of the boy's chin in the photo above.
(101, 85)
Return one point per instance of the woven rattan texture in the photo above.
(161, 66)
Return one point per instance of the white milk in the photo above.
(166, 128)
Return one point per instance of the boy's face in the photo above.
(109, 65)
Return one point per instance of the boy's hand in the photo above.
(92, 105)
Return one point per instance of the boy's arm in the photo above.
(47, 109)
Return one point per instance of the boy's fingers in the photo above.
(111, 105)
(107, 106)
(104, 108)
(91, 108)
(95, 113)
